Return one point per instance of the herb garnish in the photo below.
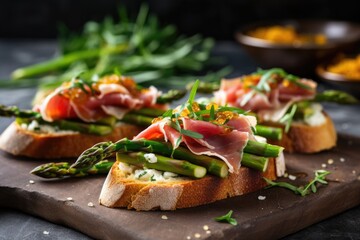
(320, 177)
(142, 48)
(227, 218)
(288, 118)
(142, 174)
(82, 84)
(267, 76)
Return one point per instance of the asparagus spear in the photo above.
(336, 97)
(104, 150)
(102, 127)
(14, 111)
(88, 128)
(63, 169)
(65, 61)
(194, 167)
(171, 95)
(269, 132)
(142, 117)
(137, 119)
(259, 163)
(164, 164)
(263, 149)
(205, 87)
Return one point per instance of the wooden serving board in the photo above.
(281, 213)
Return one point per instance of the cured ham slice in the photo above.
(225, 142)
(239, 92)
(110, 96)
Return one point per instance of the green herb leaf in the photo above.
(320, 176)
(168, 113)
(227, 218)
(193, 92)
(212, 113)
(191, 134)
(232, 109)
(288, 118)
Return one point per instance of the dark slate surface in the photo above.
(16, 225)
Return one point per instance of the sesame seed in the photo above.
(197, 235)
(323, 165)
(90, 204)
(342, 159)
(206, 227)
(188, 237)
(358, 178)
(330, 161)
(286, 175)
(69, 199)
(46, 232)
(208, 232)
(261, 197)
(31, 181)
(164, 217)
(354, 172)
(292, 177)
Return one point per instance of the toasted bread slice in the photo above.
(307, 139)
(121, 191)
(63, 144)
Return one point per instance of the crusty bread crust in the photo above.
(21, 142)
(307, 139)
(119, 191)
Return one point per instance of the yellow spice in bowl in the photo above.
(287, 35)
(348, 67)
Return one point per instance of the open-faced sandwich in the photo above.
(284, 100)
(79, 114)
(192, 155)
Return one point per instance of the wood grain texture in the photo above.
(280, 214)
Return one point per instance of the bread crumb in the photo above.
(354, 172)
(46, 232)
(197, 235)
(330, 161)
(90, 204)
(206, 227)
(323, 165)
(31, 181)
(261, 197)
(208, 232)
(164, 217)
(69, 199)
(286, 175)
(292, 177)
(342, 159)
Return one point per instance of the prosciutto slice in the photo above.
(111, 99)
(277, 101)
(226, 143)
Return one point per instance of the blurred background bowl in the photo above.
(338, 81)
(300, 59)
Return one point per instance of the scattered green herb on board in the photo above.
(320, 177)
(227, 218)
